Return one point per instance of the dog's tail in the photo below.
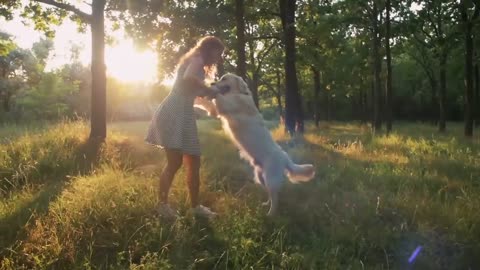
(300, 173)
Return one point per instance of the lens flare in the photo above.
(414, 254)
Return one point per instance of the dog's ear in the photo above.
(242, 86)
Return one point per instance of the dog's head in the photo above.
(232, 84)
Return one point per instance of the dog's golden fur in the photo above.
(244, 124)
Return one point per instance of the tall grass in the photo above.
(373, 201)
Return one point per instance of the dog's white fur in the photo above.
(245, 126)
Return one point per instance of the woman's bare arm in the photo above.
(193, 81)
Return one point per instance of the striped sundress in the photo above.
(173, 125)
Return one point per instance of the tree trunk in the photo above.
(253, 84)
(388, 92)
(477, 94)
(293, 103)
(434, 100)
(254, 88)
(377, 66)
(468, 99)
(328, 110)
(372, 101)
(365, 108)
(99, 78)
(363, 105)
(6, 95)
(6, 102)
(423, 108)
(240, 45)
(316, 92)
(363, 102)
(354, 105)
(442, 93)
(278, 94)
(221, 65)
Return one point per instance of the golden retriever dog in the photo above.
(245, 125)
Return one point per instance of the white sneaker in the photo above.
(203, 211)
(166, 211)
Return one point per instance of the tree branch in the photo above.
(264, 37)
(422, 42)
(262, 57)
(463, 12)
(430, 19)
(477, 10)
(427, 34)
(84, 16)
(425, 65)
(264, 11)
(270, 87)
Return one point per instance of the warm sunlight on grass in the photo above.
(126, 63)
(373, 201)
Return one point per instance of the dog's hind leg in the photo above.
(261, 181)
(273, 181)
(259, 176)
(273, 194)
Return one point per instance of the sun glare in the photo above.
(126, 63)
(169, 81)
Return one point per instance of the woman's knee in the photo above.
(174, 161)
(173, 167)
(192, 162)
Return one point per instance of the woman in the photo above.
(173, 125)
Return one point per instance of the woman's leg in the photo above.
(174, 162)
(192, 164)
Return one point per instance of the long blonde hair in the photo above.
(203, 48)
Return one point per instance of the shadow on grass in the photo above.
(87, 156)
(12, 226)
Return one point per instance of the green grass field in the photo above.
(66, 203)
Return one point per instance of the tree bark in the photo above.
(316, 92)
(372, 101)
(377, 66)
(293, 104)
(389, 91)
(477, 94)
(255, 76)
(254, 88)
(434, 100)
(99, 79)
(363, 105)
(6, 102)
(442, 93)
(240, 45)
(278, 94)
(328, 109)
(468, 99)
(221, 65)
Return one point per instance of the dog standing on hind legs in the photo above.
(245, 126)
